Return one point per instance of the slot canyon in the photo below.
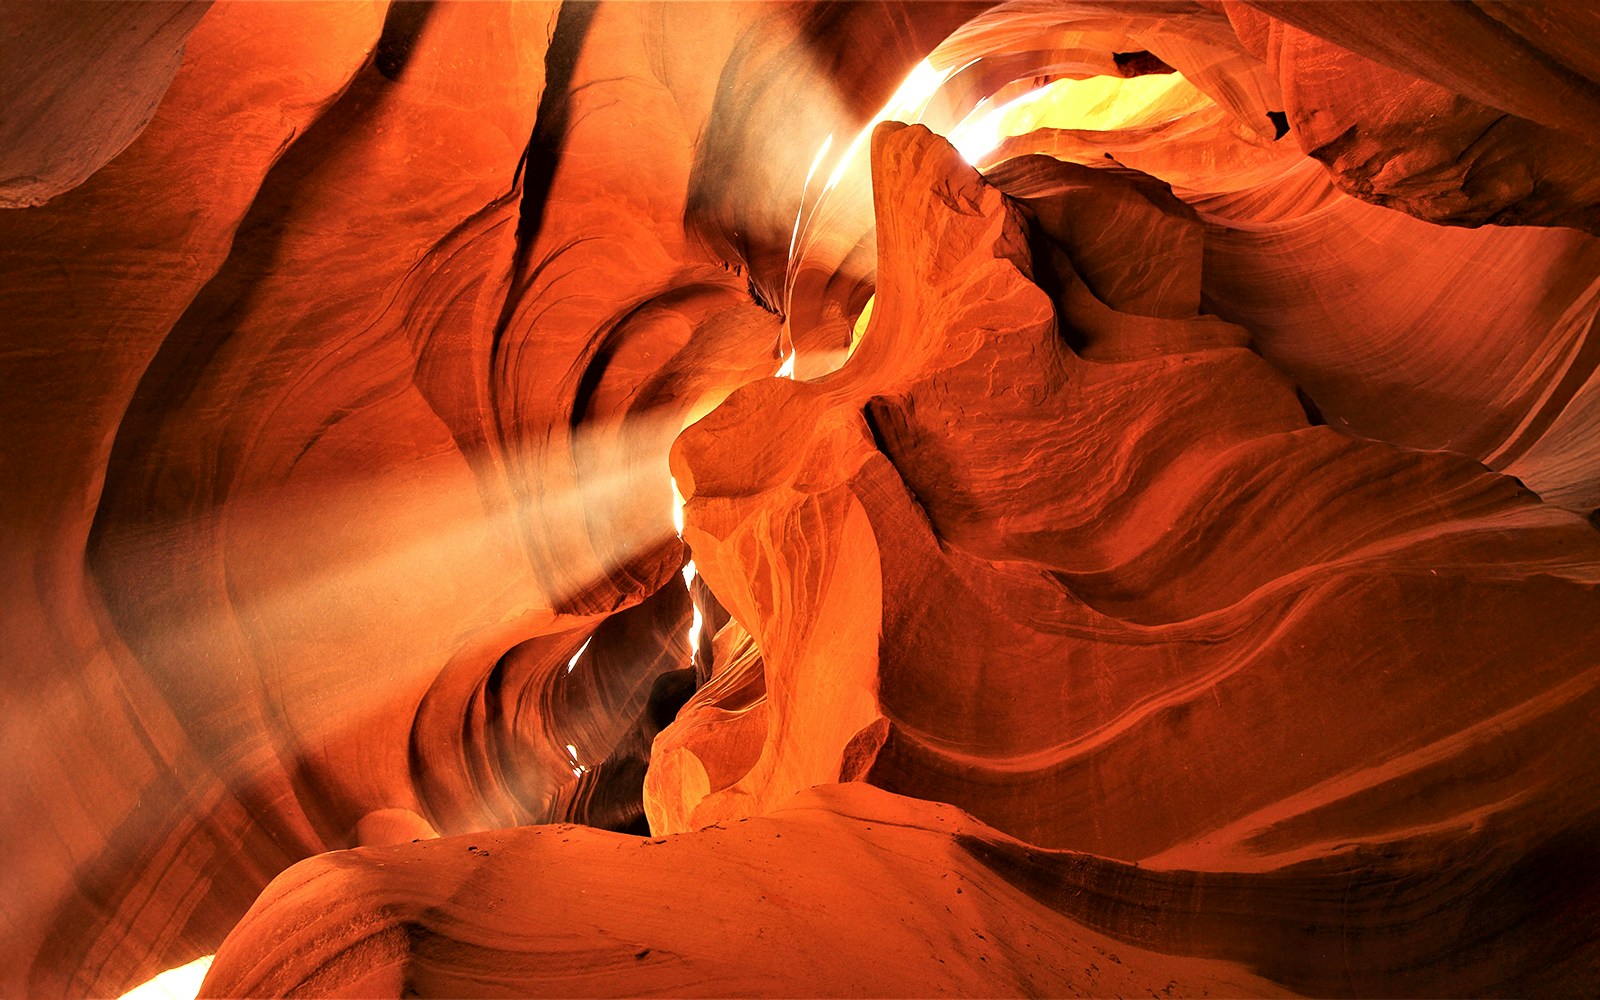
(904, 498)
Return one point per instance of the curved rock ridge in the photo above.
(342, 350)
(846, 891)
(1008, 51)
(90, 284)
(1093, 575)
(1490, 330)
(1522, 159)
(104, 69)
(554, 731)
(337, 416)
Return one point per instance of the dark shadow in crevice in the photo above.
(402, 26)
(1131, 64)
(1052, 271)
(1309, 405)
(539, 161)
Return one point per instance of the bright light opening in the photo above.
(860, 329)
(572, 761)
(786, 370)
(689, 571)
(907, 105)
(1095, 104)
(575, 656)
(816, 161)
(981, 131)
(182, 983)
(695, 630)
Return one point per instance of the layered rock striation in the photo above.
(1182, 578)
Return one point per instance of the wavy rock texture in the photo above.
(92, 283)
(102, 68)
(1522, 158)
(1149, 522)
(1489, 331)
(354, 402)
(1082, 566)
(931, 906)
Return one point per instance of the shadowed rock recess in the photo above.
(1039, 498)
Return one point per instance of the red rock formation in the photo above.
(1146, 524)
(930, 907)
(1520, 153)
(92, 283)
(1150, 557)
(80, 83)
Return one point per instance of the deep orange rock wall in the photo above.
(1185, 583)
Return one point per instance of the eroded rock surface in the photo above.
(1093, 575)
(1152, 517)
(80, 83)
(847, 891)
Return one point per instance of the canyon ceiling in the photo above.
(1056, 497)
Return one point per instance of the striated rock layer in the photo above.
(337, 413)
(1085, 568)
(1191, 662)
(847, 891)
(1143, 519)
